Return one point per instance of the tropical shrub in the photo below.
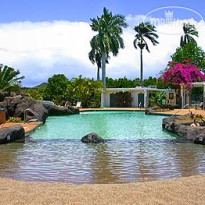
(34, 93)
(59, 89)
(9, 78)
(158, 99)
(56, 89)
(182, 74)
(14, 120)
(87, 91)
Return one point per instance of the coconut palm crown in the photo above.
(95, 57)
(144, 31)
(108, 40)
(9, 77)
(189, 32)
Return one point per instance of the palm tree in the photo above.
(95, 57)
(189, 32)
(144, 31)
(108, 39)
(9, 77)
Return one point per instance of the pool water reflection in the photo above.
(112, 162)
(137, 149)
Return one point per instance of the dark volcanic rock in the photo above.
(16, 106)
(92, 138)
(54, 110)
(11, 134)
(200, 140)
(150, 111)
(3, 95)
(195, 134)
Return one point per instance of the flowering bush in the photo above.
(182, 73)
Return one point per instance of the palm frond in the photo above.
(145, 31)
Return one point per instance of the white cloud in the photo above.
(42, 49)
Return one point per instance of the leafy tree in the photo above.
(122, 83)
(9, 78)
(95, 56)
(87, 91)
(56, 88)
(108, 39)
(189, 32)
(156, 82)
(144, 31)
(182, 73)
(35, 94)
(150, 81)
(191, 52)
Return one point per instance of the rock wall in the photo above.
(11, 134)
(195, 134)
(54, 110)
(15, 107)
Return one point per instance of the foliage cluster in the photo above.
(182, 73)
(9, 78)
(59, 89)
(158, 99)
(192, 52)
(14, 120)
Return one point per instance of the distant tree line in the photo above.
(186, 64)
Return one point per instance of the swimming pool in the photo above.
(137, 150)
(115, 125)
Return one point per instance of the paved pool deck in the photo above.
(163, 112)
(28, 127)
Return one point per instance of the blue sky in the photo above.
(46, 37)
(83, 10)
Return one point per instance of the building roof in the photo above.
(198, 84)
(136, 89)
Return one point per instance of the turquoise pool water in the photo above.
(109, 125)
(137, 150)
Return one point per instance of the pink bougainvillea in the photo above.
(182, 73)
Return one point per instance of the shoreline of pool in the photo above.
(185, 190)
(164, 113)
(28, 127)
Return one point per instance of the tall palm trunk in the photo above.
(104, 69)
(98, 74)
(141, 67)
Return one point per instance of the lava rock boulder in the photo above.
(92, 138)
(10, 134)
(16, 106)
(54, 110)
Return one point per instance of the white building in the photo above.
(140, 96)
